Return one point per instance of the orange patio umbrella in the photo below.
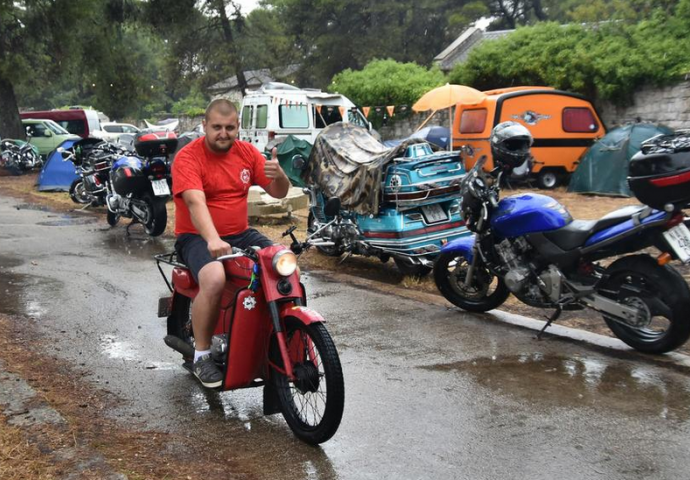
(447, 96)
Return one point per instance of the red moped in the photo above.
(265, 336)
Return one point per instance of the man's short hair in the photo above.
(222, 106)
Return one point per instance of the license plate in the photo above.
(160, 187)
(678, 238)
(434, 213)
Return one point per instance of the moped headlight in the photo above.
(285, 263)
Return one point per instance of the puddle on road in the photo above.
(67, 220)
(556, 382)
(21, 294)
(137, 244)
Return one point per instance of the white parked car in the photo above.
(112, 131)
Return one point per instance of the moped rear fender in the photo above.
(303, 314)
(462, 245)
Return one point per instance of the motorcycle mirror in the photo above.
(298, 162)
(332, 207)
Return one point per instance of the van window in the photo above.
(72, 126)
(261, 116)
(580, 119)
(327, 116)
(354, 116)
(112, 128)
(56, 129)
(473, 121)
(293, 116)
(247, 117)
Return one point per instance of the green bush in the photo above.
(607, 61)
(386, 82)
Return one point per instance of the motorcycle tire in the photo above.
(334, 251)
(486, 293)
(313, 404)
(640, 279)
(180, 321)
(157, 215)
(112, 218)
(77, 192)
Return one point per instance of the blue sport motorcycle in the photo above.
(530, 246)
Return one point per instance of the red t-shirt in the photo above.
(225, 180)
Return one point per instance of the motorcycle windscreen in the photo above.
(519, 215)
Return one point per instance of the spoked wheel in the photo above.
(333, 251)
(485, 293)
(180, 321)
(659, 293)
(112, 218)
(313, 404)
(156, 215)
(407, 267)
(77, 192)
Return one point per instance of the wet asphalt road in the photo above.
(430, 392)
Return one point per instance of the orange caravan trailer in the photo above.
(563, 125)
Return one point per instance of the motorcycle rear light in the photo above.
(677, 219)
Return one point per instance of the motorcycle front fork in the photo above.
(473, 264)
(280, 337)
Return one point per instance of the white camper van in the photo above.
(277, 110)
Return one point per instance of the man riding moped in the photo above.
(211, 180)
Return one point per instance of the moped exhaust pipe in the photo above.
(179, 345)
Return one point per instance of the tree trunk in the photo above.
(232, 47)
(10, 122)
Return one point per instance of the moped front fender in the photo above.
(303, 314)
(463, 245)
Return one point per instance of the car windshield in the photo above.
(57, 129)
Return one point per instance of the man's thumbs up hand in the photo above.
(272, 167)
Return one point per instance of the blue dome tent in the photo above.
(57, 174)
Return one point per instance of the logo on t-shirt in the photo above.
(245, 176)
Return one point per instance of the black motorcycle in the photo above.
(18, 156)
(139, 185)
(92, 160)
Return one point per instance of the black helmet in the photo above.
(510, 143)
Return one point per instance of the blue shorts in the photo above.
(192, 249)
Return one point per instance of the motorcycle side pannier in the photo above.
(152, 144)
(660, 173)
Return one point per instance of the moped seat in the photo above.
(576, 233)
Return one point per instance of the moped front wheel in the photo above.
(313, 403)
(485, 292)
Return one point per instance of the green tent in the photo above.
(603, 169)
(289, 147)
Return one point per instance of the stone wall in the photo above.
(401, 127)
(667, 105)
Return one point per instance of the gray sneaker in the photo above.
(207, 372)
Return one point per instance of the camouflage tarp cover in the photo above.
(348, 163)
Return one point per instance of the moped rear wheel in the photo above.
(312, 404)
(180, 321)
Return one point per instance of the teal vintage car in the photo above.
(46, 135)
